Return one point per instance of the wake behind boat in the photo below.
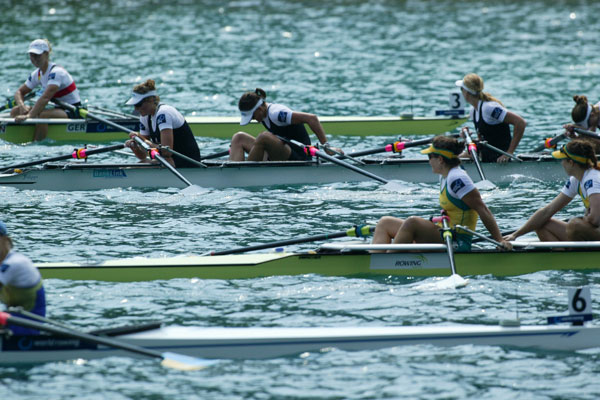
(91, 131)
(262, 343)
(226, 174)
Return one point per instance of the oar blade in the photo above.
(485, 185)
(454, 281)
(185, 363)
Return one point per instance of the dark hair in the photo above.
(580, 109)
(249, 99)
(585, 149)
(451, 144)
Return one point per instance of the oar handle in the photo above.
(590, 134)
(550, 143)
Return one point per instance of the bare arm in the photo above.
(312, 121)
(39, 105)
(541, 216)
(473, 200)
(593, 217)
(20, 95)
(519, 128)
(166, 139)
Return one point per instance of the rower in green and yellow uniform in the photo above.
(459, 198)
(20, 283)
(581, 165)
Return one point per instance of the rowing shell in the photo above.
(88, 131)
(220, 175)
(261, 343)
(426, 260)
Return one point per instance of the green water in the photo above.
(328, 58)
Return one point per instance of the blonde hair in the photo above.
(475, 83)
(49, 46)
(146, 87)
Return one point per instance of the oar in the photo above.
(339, 154)
(454, 280)
(170, 360)
(154, 153)
(215, 155)
(472, 148)
(77, 153)
(550, 143)
(396, 147)
(313, 151)
(183, 156)
(117, 113)
(479, 235)
(589, 134)
(356, 231)
(499, 151)
(10, 101)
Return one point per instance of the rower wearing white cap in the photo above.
(581, 165)
(279, 120)
(492, 120)
(56, 83)
(20, 282)
(585, 116)
(161, 124)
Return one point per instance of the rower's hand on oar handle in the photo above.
(511, 238)
(21, 118)
(570, 130)
(332, 151)
(506, 245)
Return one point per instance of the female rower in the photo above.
(585, 116)
(458, 198)
(580, 164)
(56, 83)
(280, 121)
(161, 125)
(492, 120)
(20, 283)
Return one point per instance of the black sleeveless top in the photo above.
(295, 132)
(497, 135)
(183, 142)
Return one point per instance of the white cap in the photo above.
(461, 84)
(38, 46)
(247, 115)
(137, 97)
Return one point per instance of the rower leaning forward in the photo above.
(161, 125)
(279, 120)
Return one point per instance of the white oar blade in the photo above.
(185, 363)
(454, 281)
(395, 186)
(193, 189)
(485, 185)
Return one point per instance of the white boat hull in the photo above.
(219, 175)
(261, 343)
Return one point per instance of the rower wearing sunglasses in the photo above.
(580, 164)
(161, 125)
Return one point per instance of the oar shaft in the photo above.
(357, 231)
(448, 239)
(77, 154)
(84, 113)
(589, 134)
(499, 151)
(479, 235)
(395, 147)
(184, 157)
(216, 155)
(472, 148)
(7, 319)
(549, 143)
(313, 151)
